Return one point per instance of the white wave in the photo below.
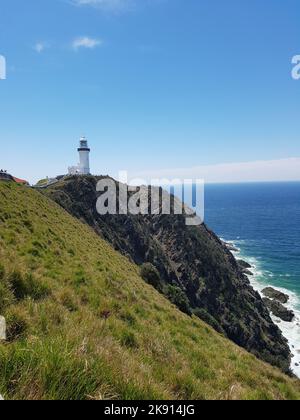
(259, 281)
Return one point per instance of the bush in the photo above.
(178, 298)
(128, 339)
(151, 275)
(27, 286)
(128, 317)
(208, 319)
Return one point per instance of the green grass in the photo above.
(82, 323)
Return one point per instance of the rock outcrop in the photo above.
(278, 310)
(244, 264)
(230, 247)
(192, 259)
(245, 267)
(271, 293)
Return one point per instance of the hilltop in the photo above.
(82, 324)
(196, 270)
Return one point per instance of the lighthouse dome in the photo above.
(83, 142)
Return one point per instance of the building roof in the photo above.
(20, 181)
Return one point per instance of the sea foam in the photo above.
(259, 281)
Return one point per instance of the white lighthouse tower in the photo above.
(83, 167)
(84, 156)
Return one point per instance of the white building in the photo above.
(83, 168)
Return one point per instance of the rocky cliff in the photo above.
(191, 260)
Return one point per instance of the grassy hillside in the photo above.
(82, 324)
(209, 282)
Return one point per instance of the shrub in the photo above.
(128, 339)
(128, 317)
(151, 275)
(209, 319)
(27, 223)
(80, 279)
(178, 298)
(27, 286)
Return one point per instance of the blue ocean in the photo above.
(263, 222)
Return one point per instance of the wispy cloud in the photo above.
(257, 171)
(106, 5)
(116, 6)
(86, 42)
(39, 47)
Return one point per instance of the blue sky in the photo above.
(153, 84)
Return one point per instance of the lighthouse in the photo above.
(84, 156)
(83, 168)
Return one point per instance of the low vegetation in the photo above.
(189, 265)
(83, 324)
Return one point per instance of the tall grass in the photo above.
(83, 324)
